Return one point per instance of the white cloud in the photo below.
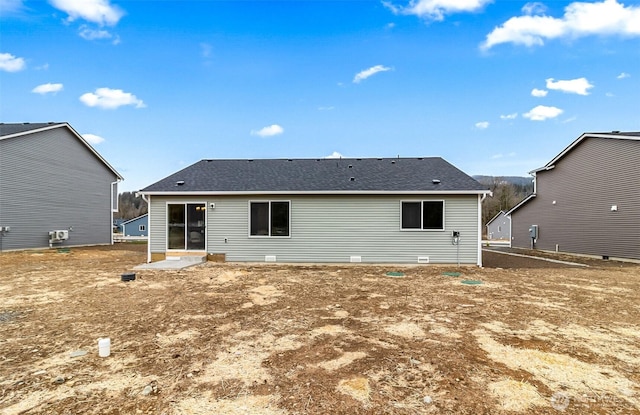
(96, 11)
(534, 8)
(623, 75)
(269, 131)
(509, 116)
(535, 92)
(573, 86)
(92, 138)
(205, 50)
(542, 112)
(47, 88)
(580, 19)
(609, 95)
(435, 10)
(10, 63)
(500, 155)
(334, 155)
(482, 125)
(10, 6)
(362, 75)
(93, 34)
(108, 98)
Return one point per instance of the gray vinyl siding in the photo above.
(51, 181)
(132, 227)
(331, 229)
(585, 183)
(499, 228)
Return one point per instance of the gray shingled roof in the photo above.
(319, 175)
(15, 128)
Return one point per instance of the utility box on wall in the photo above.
(533, 232)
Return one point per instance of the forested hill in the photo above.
(516, 180)
(507, 191)
(130, 206)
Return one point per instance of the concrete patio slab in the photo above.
(174, 263)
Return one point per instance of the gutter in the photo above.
(480, 200)
(311, 192)
(148, 201)
(118, 180)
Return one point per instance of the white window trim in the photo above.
(114, 197)
(269, 201)
(421, 201)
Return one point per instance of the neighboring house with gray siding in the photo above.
(401, 210)
(586, 200)
(499, 227)
(136, 227)
(51, 179)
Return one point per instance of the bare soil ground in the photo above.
(294, 339)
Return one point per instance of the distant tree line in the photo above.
(130, 206)
(506, 194)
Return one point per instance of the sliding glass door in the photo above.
(186, 226)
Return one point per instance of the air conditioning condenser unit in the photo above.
(58, 236)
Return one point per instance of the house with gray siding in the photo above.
(51, 179)
(370, 210)
(136, 227)
(586, 200)
(499, 227)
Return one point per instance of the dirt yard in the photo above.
(278, 339)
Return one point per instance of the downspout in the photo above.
(480, 200)
(144, 197)
(112, 209)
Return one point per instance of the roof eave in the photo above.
(519, 205)
(312, 192)
(550, 165)
(66, 124)
(132, 219)
(496, 216)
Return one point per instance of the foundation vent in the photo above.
(269, 258)
(423, 260)
(355, 258)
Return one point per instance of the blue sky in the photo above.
(494, 87)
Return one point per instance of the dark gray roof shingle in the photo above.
(319, 175)
(15, 128)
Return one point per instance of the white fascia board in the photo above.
(522, 202)
(93, 150)
(496, 216)
(36, 130)
(136, 218)
(74, 132)
(323, 192)
(545, 168)
(550, 165)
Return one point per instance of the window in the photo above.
(142, 228)
(114, 196)
(426, 214)
(269, 218)
(186, 226)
